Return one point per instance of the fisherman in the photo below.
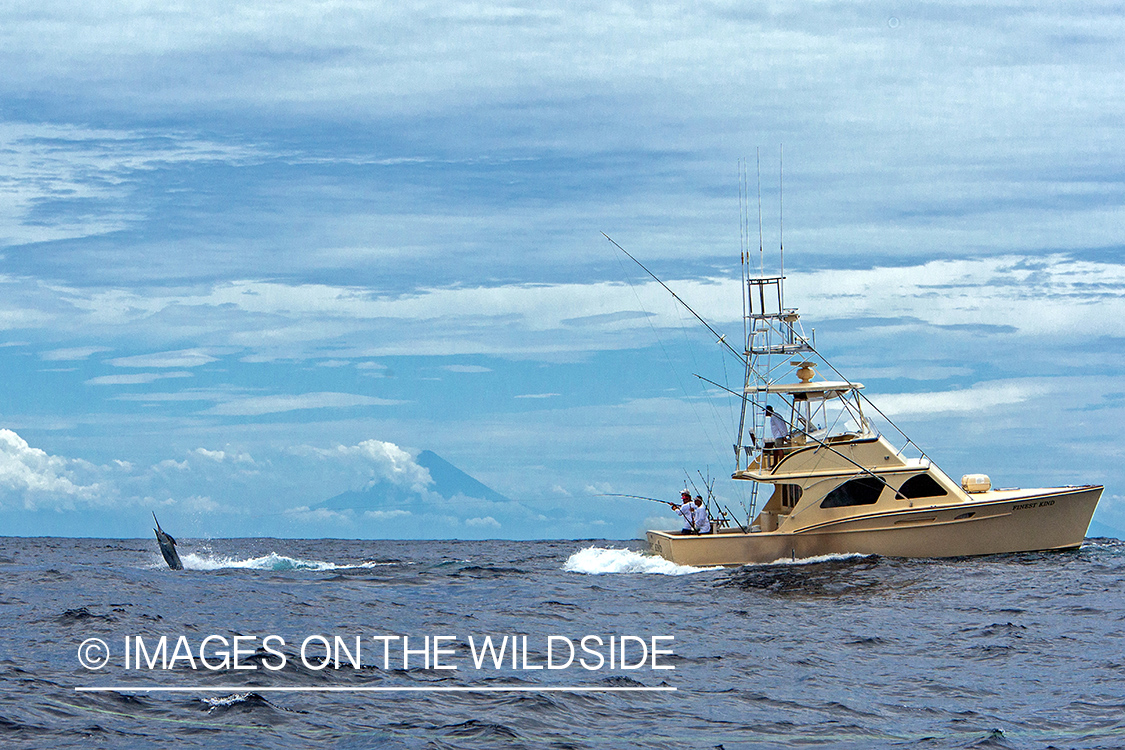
(780, 431)
(701, 520)
(686, 511)
(778, 428)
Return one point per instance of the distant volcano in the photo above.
(449, 482)
(454, 505)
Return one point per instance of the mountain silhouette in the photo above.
(449, 483)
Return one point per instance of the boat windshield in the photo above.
(824, 411)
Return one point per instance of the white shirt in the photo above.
(687, 511)
(778, 426)
(702, 522)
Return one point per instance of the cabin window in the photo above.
(862, 491)
(788, 495)
(921, 485)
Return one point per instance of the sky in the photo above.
(254, 255)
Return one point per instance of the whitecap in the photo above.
(599, 560)
(226, 700)
(272, 561)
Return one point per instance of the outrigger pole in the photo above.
(719, 337)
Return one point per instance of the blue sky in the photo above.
(256, 254)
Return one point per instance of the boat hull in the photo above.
(1052, 519)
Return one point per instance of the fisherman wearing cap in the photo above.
(700, 520)
(686, 511)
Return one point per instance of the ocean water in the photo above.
(1011, 651)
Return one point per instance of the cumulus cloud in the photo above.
(43, 480)
(389, 462)
(220, 456)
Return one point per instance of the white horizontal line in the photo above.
(372, 689)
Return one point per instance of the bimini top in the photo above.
(829, 388)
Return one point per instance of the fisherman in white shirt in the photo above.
(778, 428)
(686, 511)
(701, 519)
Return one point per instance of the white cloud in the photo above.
(44, 480)
(258, 405)
(72, 353)
(386, 515)
(199, 504)
(980, 398)
(466, 368)
(265, 321)
(374, 460)
(221, 456)
(182, 358)
(49, 162)
(537, 395)
(483, 522)
(135, 378)
(304, 514)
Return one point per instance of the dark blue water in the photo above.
(1013, 651)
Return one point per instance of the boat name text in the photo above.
(1024, 506)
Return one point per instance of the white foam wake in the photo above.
(272, 561)
(599, 560)
(835, 557)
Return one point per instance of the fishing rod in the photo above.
(655, 500)
(863, 469)
(710, 494)
(639, 497)
(727, 514)
(720, 337)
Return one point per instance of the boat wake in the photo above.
(272, 561)
(599, 560)
(815, 559)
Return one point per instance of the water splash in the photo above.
(599, 560)
(272, 561)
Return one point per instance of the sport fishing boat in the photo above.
(837, 485)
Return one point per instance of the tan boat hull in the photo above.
(1048, 520)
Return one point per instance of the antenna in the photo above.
(781, 216)
(742, 231)
(761, 244)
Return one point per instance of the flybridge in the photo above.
(771, 328)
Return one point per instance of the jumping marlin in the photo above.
(167, 547)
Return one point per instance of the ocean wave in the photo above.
(599, 560)
(272, 561)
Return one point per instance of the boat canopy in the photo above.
(829, 388)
